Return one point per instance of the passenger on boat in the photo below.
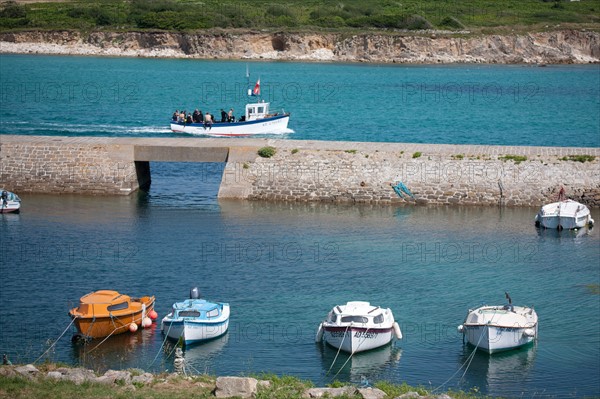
(189, 119)
(175, 115)
(223, 116)
(4, 198)
(182, 117)
(231, 117)
(197, 116)
(208, 121)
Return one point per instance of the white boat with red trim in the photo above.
(358, 326)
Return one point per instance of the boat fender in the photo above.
(397, 331)
(461, 329)
(133, 327)
(530, 332)
(319, 335)
(146, 322)
(153, 315)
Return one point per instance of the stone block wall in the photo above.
(97, 169)
(435, 177)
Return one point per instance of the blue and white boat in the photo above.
(196, 320)
(258, 119)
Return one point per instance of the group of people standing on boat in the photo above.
(198, 117)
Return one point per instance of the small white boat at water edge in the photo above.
(9, 202)
(257, 120)
(500, 328)
(196, 320)
(358, 326)
(564, 214)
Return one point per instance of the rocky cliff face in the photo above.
(545, 47)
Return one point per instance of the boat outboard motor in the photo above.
(195, 293)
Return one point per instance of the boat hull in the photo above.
(354, 340)
(11, 206)
(566, 215)
(192, 332)
(494, 339)
(103, 326)
(275, 124)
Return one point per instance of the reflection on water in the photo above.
(357, 368)
(495, 370)
(198, 358)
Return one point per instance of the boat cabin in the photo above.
(257, 111)
(197, 309)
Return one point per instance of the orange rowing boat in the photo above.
(103, 313)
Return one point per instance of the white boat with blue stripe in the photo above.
(258, 119)
(196, 320)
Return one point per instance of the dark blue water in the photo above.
(282, 267)
(463, 104)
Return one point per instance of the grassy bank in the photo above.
(40, 385)
(191, 15)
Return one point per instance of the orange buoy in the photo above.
(153, 315)
(133, 327)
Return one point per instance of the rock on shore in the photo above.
(557, 47)
(221, 387)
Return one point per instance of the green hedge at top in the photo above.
(184, 15)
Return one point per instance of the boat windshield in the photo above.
(212, 313)
(118, 306)
(378, 319)
(357, 319)
(188, 313)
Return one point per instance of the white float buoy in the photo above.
(319, 335)
(133, 327)
(397, 331)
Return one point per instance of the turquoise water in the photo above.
(282, 267)
(461, 104)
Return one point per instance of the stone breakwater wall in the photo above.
(434, 174)
(309, 171)
(53, 167)
(557, 47)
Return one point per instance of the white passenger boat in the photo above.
(500, 328)
(564, 214)
(196, 320)
(358, 326)
(9, 202)
(258, 119)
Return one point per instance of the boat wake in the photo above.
(56, 128)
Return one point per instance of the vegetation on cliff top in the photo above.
(191, 15)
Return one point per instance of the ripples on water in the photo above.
(458, 104)
(282, 266)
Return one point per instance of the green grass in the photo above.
(578, 158)
(417, 154)
(267, 152)
(200, 387)
(350, 151)
(517, 159)
(192, 15)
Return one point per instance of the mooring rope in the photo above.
(352, 354)
(338, 352)
(163, 343)
(54, 343)
(468, 360)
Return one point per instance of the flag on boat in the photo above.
(256, 90)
